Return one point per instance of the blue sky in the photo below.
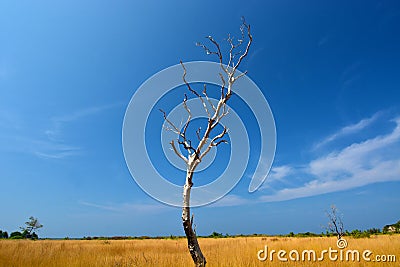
(68, 69)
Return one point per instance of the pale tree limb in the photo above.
(208, 100)
(213, 144)
(177, 152)
(174, 128)
(194, 92)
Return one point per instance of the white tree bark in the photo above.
(193, 245)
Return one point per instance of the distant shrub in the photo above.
(360, 234)
(3, 234)
(117, 238)
(16, 235)
(216, 235)
(307, 234)
(374, 231)
(173, 237)
(291, 234)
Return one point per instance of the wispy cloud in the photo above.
(58, 122)
(51, 143)
(279, 172)
(58, 152)
(230, 200)
(255, 53)
(350, 129)
(356, 165)
(127, 207)
(382, 172)
(355, 157)
(56, 146)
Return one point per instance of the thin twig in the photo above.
(177, 152)
(208, 100)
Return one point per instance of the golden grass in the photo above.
(159, 252)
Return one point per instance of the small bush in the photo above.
(16, 235)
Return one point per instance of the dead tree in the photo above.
(208, 139)
(335, 224)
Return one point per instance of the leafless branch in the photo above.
(208, 51)
(247, 27)
(193, 91)
(214, 142)
(188, 119)
(198, 133)
(187, 144)
(241, 75)
(222, 134)
(177, 152)
(208, 100)
(220, 110)
(222, 86)
(234, 46)
(220, 141)
(214, 112)
(186, 83)
(231, 67)
(174, 128)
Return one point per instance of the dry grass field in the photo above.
(161, 252)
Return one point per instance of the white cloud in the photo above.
(350, 129)
(354, 157)
(279, 172)
(383, 172)
(356, 165)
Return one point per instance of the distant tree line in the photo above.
(354, 233)
(33, 224)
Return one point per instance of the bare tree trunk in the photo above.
(193, 245)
